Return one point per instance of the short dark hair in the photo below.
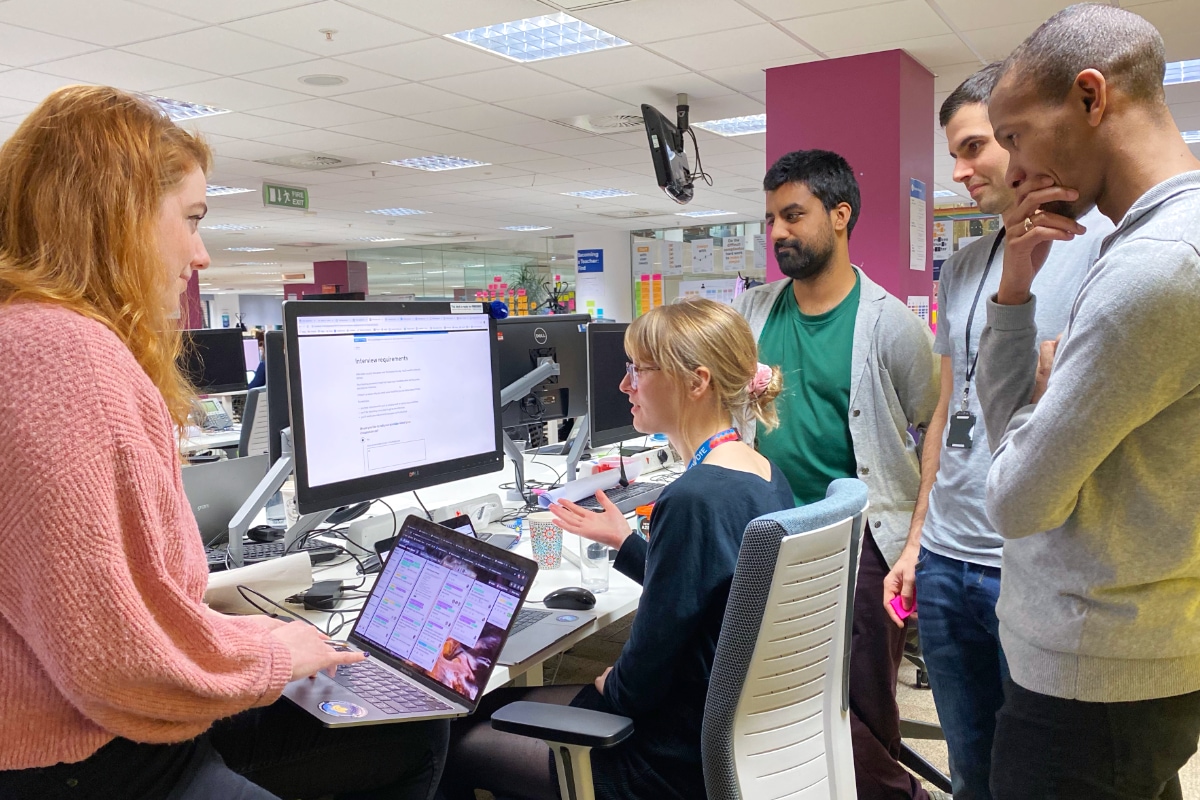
(1124, 47)
(976, 89)
(826, 174)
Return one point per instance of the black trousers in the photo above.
(261, 754)
(1053, 749)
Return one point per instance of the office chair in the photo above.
(776, 719)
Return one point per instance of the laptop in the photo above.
(535, 628)
(433, 625)
(216, 491)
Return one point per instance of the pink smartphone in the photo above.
(898, 606)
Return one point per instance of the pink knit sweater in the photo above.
(103, 632)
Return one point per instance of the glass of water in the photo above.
(593, 566)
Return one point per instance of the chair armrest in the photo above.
(563, 724)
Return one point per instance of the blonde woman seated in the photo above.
(693, 375)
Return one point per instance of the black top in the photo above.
(661, 677)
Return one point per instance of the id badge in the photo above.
(962, 426)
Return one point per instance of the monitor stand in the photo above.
(511, 394)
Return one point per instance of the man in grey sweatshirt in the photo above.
(1095, 483)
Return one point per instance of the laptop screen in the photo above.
(443, 604)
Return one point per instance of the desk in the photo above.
(197, 440)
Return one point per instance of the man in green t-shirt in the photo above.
(859, 374)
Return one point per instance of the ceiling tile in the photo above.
(508, 83)
(394, 129)
(408, 98)
(426, 59)
(243, 126)
(381, 151)
(648, 21)
(217, 11)
(970, 15)
(239, 53)
(946, 79)
(455, 144)
(320, 113)
(789, 9)
(997, 42)
(254, 151)
(301, 28)
(565, 104)
(358, 79)
(24, 47)
(15, 108)
(932, 51)
(233, 93)
(111, 23)
(733, 48)
(124, 70)
(585, 147)
(860, 27)
(730, 105)
(1177, 21)
(473, 118)
(619, 65)
(441, 18)
(317, 141)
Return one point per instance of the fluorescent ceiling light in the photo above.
(379, 239)
(249, 249)
(433, 271)
(179, 110)
(217, 191)
(600, 194)
(437, 163)
(735, 126)
(229, 226)
(258, 264)
(539, 38)
(526, 228)
(1182, 72)
(945, 193)
(704, 213)
(412, 262)
(206, 284)
(396, 212)
(1191, 137)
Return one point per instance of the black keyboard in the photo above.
(254, 552)
(626, 498)
(386, 690)
(527, 617)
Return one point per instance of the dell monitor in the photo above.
(523, 344)
(279, 414)
(213, 360)
(610, 416)
(389, 397)
(666, 149)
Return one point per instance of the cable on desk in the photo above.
(242, 589)
(395, 521)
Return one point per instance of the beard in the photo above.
(802, 262)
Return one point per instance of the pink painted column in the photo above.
(876, 110)
(191, 312)
(330, 276)
(296, 291)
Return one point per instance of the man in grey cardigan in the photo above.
(859, 373)
(1095, 483)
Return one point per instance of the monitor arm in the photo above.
(511, 394)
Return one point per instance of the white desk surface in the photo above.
(620, 600)
(199, 440)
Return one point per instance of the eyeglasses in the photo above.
(632, 371)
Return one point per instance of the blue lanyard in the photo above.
(716, 440)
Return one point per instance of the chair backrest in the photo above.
(776, 719)
(254, 440)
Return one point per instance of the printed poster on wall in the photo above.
(941, 241)
(720, 290)
(760, 251)
(643, 256)
(702, 256)
(916, 224)
(733, 254)
(920, 306)
(673, 260)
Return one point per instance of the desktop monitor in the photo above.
(213, 360)
(389, 397)
(610, 416)
(278, 411)
(523, 343)
(335, 296)
(666, 150)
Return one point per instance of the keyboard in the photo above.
(254, 552)
(386, 690)
(626, 498)
(527, 617)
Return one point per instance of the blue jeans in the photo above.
(960, 640)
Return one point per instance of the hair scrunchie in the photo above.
(759, 383)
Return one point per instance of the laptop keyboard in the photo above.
(527, 617)
(254, 552)
(626, 498)
(386, 690)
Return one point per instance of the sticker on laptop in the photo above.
(466, 308)
(566, 618)
(338, 708)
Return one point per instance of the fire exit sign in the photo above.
(285, 196)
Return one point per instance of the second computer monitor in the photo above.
(278, 412)
(610, 416)
(523, 343)
(213, 360)
(389, 397)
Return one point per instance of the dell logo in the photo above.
(540, 336)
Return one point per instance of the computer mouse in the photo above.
(574, 598)
(264, 534)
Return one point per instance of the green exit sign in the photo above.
(285, 196)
